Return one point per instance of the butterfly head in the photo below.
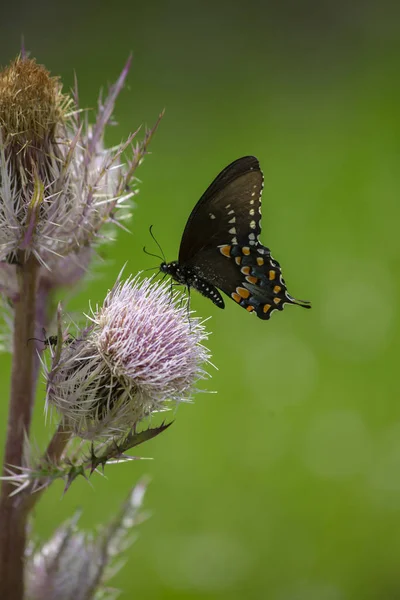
(175, 271)
(168, 268)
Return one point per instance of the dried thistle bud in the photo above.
(59, 185)
(140, 351)
(73, 565)
(32, 106)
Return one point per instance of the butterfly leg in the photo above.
(188, 306)
(172, 292)
(187, 290)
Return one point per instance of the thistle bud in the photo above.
(59, 185)
(140, 351)
(32, 107)
(74, 565)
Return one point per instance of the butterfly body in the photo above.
(220, 246)
(189, 277)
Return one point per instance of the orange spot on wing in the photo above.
(250, 308)
(251, 279)
(245, 270)
(243, 292)
(277, 300)
(236, 297)
(271, 275)
(277, 289)
(246, 250)
(238, 260)
(266, 308)
(226, 250)
(260, 261)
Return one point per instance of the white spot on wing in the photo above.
(233, 220)
(212, 216)
(253, 224)
(232, 230)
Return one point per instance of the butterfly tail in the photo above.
(303, 303)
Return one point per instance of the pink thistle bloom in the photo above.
(140, 351)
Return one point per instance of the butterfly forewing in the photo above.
(228, 212)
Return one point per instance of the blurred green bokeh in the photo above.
(286, 483)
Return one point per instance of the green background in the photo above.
(285, 484)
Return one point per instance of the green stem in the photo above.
(54, 452)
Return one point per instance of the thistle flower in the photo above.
(73, 565)
(139, 351)
(58, 183)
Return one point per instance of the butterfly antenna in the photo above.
(151, 254)
(152, 268)
(159, 246)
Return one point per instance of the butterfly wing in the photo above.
(248, 275)
(228, 211)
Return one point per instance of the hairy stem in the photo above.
(58, 443)
(12, 512)
(53, 454)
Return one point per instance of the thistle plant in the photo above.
(62, 193)
(77, 565)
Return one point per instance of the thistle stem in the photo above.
(53, 454)
(58, 443)
(13, 515)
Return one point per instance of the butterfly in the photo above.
(220, 247)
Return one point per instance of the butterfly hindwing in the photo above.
(248, 275)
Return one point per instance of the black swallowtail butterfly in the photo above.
(220, 245)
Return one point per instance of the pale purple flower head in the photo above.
(140, 351)
(59, 185)
(74, 565)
